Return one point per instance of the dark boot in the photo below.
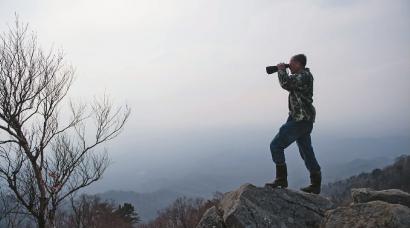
(315, 182)
(281, 177)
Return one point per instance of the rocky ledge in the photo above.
(260, 207)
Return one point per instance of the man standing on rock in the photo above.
(299, 123)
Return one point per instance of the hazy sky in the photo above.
(189, 65)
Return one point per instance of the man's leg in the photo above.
(308, 155)
(306, 152)
(288, 133)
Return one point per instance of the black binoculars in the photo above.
(273, 69)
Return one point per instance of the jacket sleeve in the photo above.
(299, 82)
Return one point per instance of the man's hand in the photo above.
(281, 66)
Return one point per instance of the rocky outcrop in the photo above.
(368, 215)
(251, 206)
(212, 218)
(264, 207)
(385, 208)
(395, 196)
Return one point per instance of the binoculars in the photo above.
(274, 69)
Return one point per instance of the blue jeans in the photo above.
(289, 132)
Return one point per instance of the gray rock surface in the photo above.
(395, 196)
(368, 215)
(211, 219)
(264, 207)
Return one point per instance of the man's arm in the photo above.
(284, 79)
(298, 81)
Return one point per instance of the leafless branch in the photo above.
(45, 158)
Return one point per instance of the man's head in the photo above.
(297, 63)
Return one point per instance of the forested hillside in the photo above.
(396, 176)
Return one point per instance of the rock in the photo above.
(396, 196)
(211, 219)
(265, 207)
(371, 214)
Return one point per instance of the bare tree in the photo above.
(11, 213)
(44, 156)
(90, 211)
(184, 212)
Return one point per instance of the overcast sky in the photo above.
(188, 65)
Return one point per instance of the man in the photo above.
(299, 124)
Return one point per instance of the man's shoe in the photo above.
(315, 183)
(281, 177)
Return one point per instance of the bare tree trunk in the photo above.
(41, 222)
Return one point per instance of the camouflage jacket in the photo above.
(300, 87)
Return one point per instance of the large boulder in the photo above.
(368, 215)
(395, 196)
(385, 208)
(265, 207)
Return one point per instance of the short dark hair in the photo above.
(300, 58)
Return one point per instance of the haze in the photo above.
(193, 73)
